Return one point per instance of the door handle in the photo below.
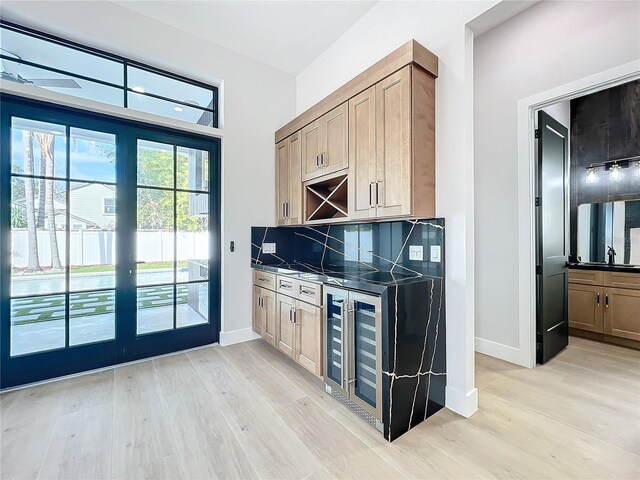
(286, 209)
(371, 193)
(377, 194)
(606, 300)
(318, 160)
(598, 298)
(295, 316)
(322, 160)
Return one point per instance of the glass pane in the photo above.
(155, 164)
(92, 239)
(192, 302)
(192, 169)
(67, 84)
(93, 156)
(155, 309)
(91, 317)
(334, 338)
(37, 324)
(38, 148)
(155, 237)
(157, 106)
(192, 236)
(365, 352)
(40, 51)
(38, 237)
(150, 82)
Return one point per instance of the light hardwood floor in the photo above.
(245, 411)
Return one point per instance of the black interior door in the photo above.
(551, 206)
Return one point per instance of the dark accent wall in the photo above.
(604, 126)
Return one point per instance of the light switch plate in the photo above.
(435, 253)
(415, 252)
(268, 248)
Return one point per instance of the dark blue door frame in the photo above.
(127, 346)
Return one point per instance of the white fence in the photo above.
(98, 247)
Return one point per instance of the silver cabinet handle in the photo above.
(371, 184)
(283, 212)
(377, 193)
(318, 160)
(287, 209)
(322, 159)
(286, 285)
(306, 292)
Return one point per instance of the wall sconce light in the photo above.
(615, 172)
(592, 175)
(614, 167)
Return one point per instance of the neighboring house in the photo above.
(93, 206)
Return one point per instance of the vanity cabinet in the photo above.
(325, 144)
(606, 303)
(264, 313)
(288, 180)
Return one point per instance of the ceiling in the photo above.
(287, 35)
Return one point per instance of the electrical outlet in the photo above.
(415, 252)
(268, 248)
(435, 253)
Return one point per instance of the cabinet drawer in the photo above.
(287, 286)
(310, 292)
(264, 279)
(622, 280)
(586, 277)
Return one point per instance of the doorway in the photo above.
(110, 241)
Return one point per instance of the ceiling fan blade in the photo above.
(55, 82)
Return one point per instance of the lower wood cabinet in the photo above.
(299, 332)
(264, 313)
(586, 303)
(597, 303)
(622, 313)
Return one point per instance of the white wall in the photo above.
(258, 99)
(439, 26)
(546, 46)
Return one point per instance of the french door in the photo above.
(109, 241)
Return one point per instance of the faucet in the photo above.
(611, 253)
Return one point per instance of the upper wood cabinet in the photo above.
(392, 147)
(376, 135)
(288, 180)
(325, 144)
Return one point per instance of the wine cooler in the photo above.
(353, 351)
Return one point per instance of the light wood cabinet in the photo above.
(622, 313)
(392, 147)
(285, 328)
(586, 303)
(324, 144)
(607, 303)
(288, 180)
(264, 313)
(308, 337)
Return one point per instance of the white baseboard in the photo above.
(503, 352)
(237, 336)
(465, 404)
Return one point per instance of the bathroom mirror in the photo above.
(610, 223)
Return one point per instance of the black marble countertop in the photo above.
(372, 281)
(605, 267)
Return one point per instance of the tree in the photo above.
(41, 188)
(47, 156)
(33, 262)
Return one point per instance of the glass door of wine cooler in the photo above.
(365, 376)
(336, 316)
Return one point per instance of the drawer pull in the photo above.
(307, 292)
(288, 286)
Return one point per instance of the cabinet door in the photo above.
(393, 135)
(362, 155)
(257, 310)
(285, 329)
(586, 303)
(294, 207)
(365, 375)
(308, 341)
(311, 145)
(622, 313)
(282, 180)
(269, 316)
(335, 135)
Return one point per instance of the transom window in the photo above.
(33, 58)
